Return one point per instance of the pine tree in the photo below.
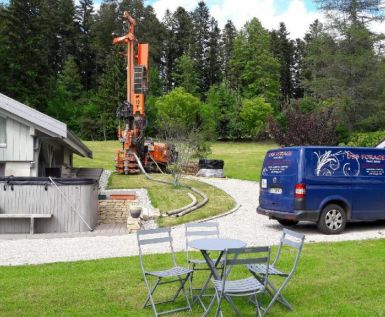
(353, 11)
(86, 58)
(185, 74)
(283, 50)
(169, 55)
(177, 42)
(59, 29)
(182, 31)
(64, 104)
(253, 65)
(200, 47)
(297, 69)
(228, 35)
(25, 53)
(342, 62)
(3, 50)
(214, 62)
(110, 94)
(106, 22)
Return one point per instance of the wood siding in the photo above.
(19, 143)
(34, 199)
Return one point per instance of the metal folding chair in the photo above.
(293, 240)
(247, 287)
(175, 274)
(195, 231)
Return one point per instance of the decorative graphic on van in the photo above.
(342, 161)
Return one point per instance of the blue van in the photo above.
(326, 185)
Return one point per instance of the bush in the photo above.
(365, 139)
(177, 111)
(297, 128)
(254, 113)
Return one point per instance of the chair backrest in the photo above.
(200, 230)
(294, 240)
(245, 256)
(154, 237)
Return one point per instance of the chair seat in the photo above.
(247, 285)
(175, 271)
(261, 269)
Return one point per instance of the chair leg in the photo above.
(231, 302)
(149, 297)
(258, 312)
(219, 298)
(278, 296)
(183, 283)
(207, 311)
(151, 292)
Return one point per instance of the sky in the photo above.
(297, 14)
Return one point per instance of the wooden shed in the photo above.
(40, 191)
(34, 144)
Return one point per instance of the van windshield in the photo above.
(280, 163)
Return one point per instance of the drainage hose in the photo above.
(184, 210)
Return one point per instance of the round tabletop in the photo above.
(214, 244)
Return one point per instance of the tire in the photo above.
(332, 219)
(287, 222)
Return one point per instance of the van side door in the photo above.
(369, 187)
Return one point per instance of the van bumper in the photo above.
(299, 215)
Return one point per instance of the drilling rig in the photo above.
(133, 111)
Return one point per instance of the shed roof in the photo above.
(45, 123)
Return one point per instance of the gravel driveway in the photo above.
(243, 224)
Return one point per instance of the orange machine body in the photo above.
(133, 111)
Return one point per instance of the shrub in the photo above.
(365, 139)
(297, 128)
(254, 113)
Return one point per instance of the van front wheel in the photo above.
(332, 219)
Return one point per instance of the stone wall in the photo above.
(114, 211)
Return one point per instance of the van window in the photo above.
(347, 163)
(280, 162)
(3, 132)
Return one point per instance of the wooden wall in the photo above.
(19, 143)
(35, 199)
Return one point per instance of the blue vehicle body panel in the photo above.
(351, 177)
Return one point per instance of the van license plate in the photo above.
(275, 190)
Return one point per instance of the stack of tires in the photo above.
(211, 168)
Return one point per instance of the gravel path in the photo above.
(243, 224)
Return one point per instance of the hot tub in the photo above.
(72, 202)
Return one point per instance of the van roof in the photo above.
(328, 147)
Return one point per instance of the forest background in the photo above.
(230, 84)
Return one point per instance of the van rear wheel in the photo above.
(332, 219)
(287, 222)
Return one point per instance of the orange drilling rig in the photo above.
(133, 111)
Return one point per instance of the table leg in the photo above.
(213, 272)
(212, 265)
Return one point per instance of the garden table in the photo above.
(213, 244)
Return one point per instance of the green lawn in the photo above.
(338, 279)
(243, 160)
(167, 197)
